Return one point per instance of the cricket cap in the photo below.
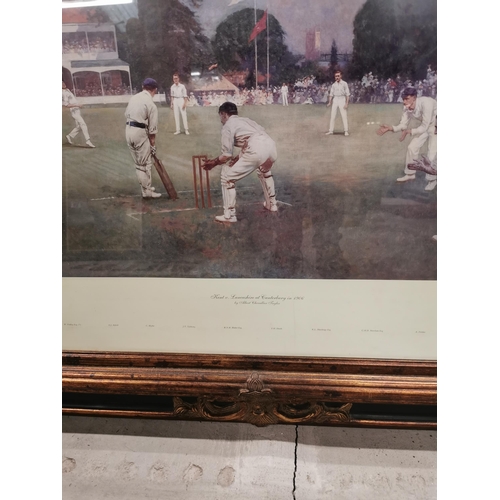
(150, 82)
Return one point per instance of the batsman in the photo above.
(140, 132)
(258, 152)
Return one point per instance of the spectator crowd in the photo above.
(95, 89)
(370, 89)
(93, 42)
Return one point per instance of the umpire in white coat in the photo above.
(140, 131)
(258, 152)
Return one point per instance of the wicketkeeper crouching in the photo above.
(258, 152)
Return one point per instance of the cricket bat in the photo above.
(165, 179)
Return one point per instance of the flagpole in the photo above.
(255, 42)
(267, 29)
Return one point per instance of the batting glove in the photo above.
(153, 150)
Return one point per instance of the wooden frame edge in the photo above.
(261, 390)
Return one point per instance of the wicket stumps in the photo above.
(198, 171)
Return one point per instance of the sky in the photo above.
(333, 18)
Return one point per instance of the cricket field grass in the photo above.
(341, 213)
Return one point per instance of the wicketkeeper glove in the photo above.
(424, 165)
(209, 164)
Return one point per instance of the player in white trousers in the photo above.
(284, 94)
(178, 102)
(423, 109)
(432, 159)
(428, 164)
(140, 132)
(69, 101)
(258, 152)
(339, 99)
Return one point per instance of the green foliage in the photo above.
(394, 37)
(287, 69)
(138, 57)
(164, 39)
(233, 52)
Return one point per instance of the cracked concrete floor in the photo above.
(157, 459)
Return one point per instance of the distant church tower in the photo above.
(313, 44)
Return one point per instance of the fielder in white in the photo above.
(140, 132)
(428, 164)
(284, 94)
(258, 152)
(178, 102)
(69, 101)
(423, 109)
(339, 99)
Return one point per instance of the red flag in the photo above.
(259, 27)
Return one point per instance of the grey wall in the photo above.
(154, 459)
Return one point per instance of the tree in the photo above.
(290, 69)
(233, 52)
(376, 37)
(394, 36)
(138, 59)
(164, 39)
(419, 44)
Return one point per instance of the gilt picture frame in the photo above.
(322, 313)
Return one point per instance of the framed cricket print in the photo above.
(249, 210)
